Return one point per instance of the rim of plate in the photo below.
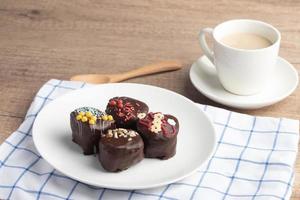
(214, 138)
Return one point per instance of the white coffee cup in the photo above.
(242, 71)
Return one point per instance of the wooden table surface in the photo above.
(40, 40)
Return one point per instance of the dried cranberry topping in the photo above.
(120, 101)
(120, 105)
(112, 102)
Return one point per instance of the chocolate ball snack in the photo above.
(87, 124)
(119, 149)
(159, 133)
(126, 111)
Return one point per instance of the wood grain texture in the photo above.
(40, 40)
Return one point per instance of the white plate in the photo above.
(52, 137)
(283, 82)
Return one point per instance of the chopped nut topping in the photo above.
(110, 134)
(157, 122)
(132, 134)
(155, 129)
(158, 116)
(120, 132)
(141, 115)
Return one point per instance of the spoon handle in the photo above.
(148, 69)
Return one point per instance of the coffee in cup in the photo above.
(246, 41)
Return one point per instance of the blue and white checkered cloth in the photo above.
(254, 159)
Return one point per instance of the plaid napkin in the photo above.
(254, 159)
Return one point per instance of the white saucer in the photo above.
(283, 82)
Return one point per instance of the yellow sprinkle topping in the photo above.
(84, 119)
(82, 113)
(88, 114)
(79, 117)
(93, 118)
(110, 118)
(104, 117)
(91, 121)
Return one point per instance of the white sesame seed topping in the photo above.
(132, 134)
(110, 134)
(115, 135)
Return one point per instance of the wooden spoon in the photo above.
(145, 70)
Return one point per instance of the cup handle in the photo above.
(203, 44)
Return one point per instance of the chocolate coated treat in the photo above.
(159, 133)
(119, 149)
(126, 111)
(87, 124)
